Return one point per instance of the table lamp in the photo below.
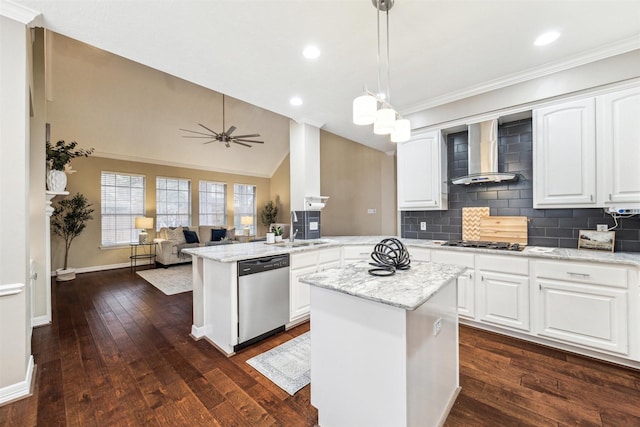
(143, 223)
(247, 221)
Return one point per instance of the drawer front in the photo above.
(503, 264)
(326, 256)
(582, 273)
(353, 252)
(451, 257)
(303, 259)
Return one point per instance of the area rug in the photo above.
(289, 365)
(170, 281)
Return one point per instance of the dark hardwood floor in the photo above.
(119, 353)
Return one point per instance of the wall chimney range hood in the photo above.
(483, 156)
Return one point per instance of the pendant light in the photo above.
(376, 109)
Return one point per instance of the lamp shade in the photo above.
(246, 220)
(144, 223)
(364, 110)
(401, 131)
(385, 120)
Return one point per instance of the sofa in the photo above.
(170, 241)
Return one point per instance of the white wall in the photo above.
(16, 362)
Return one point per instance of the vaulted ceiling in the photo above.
(441, 50)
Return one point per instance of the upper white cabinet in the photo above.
(422, 173)
(618, 133)
(586, 152)
(564, 161)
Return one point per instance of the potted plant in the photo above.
(269, 213)
(68, 220)
(58, 158)
(277, 232)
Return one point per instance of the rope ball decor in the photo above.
(389, 255)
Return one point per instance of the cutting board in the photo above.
(511, 229)
(471, 222)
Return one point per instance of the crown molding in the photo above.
(20, 13)
(607, 51)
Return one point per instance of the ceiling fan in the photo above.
(223, 136)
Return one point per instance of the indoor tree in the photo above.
(269, 214)
(69, 219)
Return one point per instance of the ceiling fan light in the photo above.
(401, 131)
(385, 120)
(364, 110)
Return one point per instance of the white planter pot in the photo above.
(65, 275)
(278, 238)
(56, 181)
(271, 238)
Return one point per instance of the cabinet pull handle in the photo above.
(482, 278)
(591, 198)
(609, 196)
(470, 277)
(585, 275)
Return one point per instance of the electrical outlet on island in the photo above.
(602, 227)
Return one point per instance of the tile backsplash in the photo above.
(547, 227)
(308, 225)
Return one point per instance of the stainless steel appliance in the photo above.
(486, 245)
(263, 298)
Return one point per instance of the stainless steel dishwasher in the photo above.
(263, 298)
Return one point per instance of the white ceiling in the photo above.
(441, 50)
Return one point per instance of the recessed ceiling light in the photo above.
(295, 101)
(546, 38)
(311, 52)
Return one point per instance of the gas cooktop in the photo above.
(485, 245)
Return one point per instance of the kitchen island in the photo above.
(384, 349)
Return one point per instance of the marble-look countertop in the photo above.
(242, 251)
(407, 289)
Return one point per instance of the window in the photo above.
(244, 204)
(122, 200)
(173, 202)
(213, 206)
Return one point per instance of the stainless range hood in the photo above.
(483, 156)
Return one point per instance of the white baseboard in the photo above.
(41, 321)
(98, 268)
(20, 389)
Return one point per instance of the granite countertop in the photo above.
(407, 289)
(242, 251)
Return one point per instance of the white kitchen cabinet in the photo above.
(564, 155)
(351, 253)
(302, 264)
(422, 172)
(503, 291)
(585, 152)
(583, 304)
(466, 280)
(618, 136)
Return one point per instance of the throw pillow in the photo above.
(190, 236)
(218, 234)
(176, 234)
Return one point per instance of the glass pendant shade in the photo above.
(364, 110)
(385, 119)
(401, 131)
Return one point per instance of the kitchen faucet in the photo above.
(292, 234)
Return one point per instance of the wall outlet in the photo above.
(602, 227)
(313, 225)
(437, 326)
(423, 226)
(371, 211)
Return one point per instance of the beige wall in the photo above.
(85, 250)
(281, 190)
(356, 178)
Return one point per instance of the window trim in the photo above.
(118, 245)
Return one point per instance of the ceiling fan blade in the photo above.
(240, 143)
(213, 132)
(209, 142)
(193, 131)
(254, 135)
(203, 137)
(231, 129)
(248, 140)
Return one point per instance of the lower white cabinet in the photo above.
(466, 281)
(351, 253)
(583, 304)
(301, 264)
(503, 291)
